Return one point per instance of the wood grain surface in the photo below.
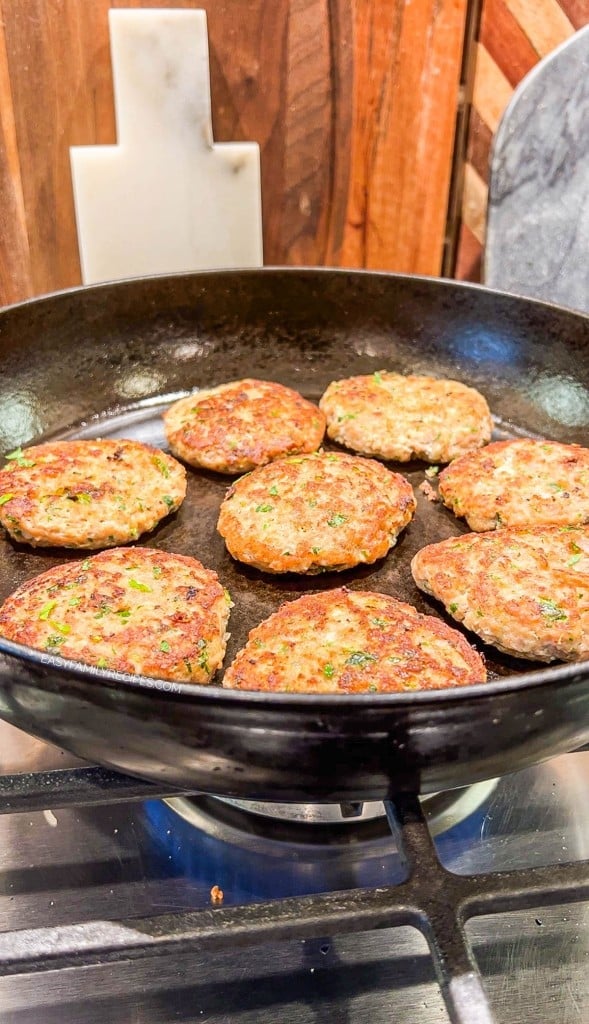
(353, 103)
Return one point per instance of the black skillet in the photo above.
(106, 360)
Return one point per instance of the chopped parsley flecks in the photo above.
(85, 564)
(74, 602)
(165, 647)
(360, 658)
(187, 666)
(377, 377)
(167, 500)
(82, 496)
(328, 670)
(381, 623)
(410, 684)
(102, 663)
(20, 458)
(161, 465)
(315, 551)
(124, 614)
(273, 491)
(432, 471)
(264, 508)
(102, 611)
(5, 497)
(46, 610)
(203, 656)
(453, 607)
(157, 571)
(573, 561)
(347, 416)
(337, 519)
(54, 641)
(61, 627)
(136, 585)
(552, 611)
(227, 597)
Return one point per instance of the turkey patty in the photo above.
(136, 610)
(246, 423)
(315, 512)
(353, 641)
(526, 591)
(88, 494)
(401, 418)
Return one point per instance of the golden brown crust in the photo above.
(88, 494)
(243, 424)
(519, 483)
(137, 610)
(526, 591)
(398, 417)
(343, 641)
(315, 512)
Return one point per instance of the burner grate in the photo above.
(70, 787)
(431, 899)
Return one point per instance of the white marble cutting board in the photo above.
(538, 216)
(166, 198)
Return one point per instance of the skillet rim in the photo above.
(271, 269)
(213, 692)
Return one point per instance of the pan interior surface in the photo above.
(107, 361)
(192, 531)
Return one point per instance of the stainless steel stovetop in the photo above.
(67, 874)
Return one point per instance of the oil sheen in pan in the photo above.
(192, 531)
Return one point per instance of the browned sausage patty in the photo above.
(314, 512)
(243, 424)
(395, 417)
(519, 483)
(526, 591)
(129, 609)
(348, 641)
(88, 494)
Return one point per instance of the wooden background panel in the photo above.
(406, 86)
(514, 36)
(353, 103)
(14, 245)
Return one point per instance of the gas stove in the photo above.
(122, 902)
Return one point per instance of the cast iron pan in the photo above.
(105, 361)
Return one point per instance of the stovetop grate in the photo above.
(432, 899)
